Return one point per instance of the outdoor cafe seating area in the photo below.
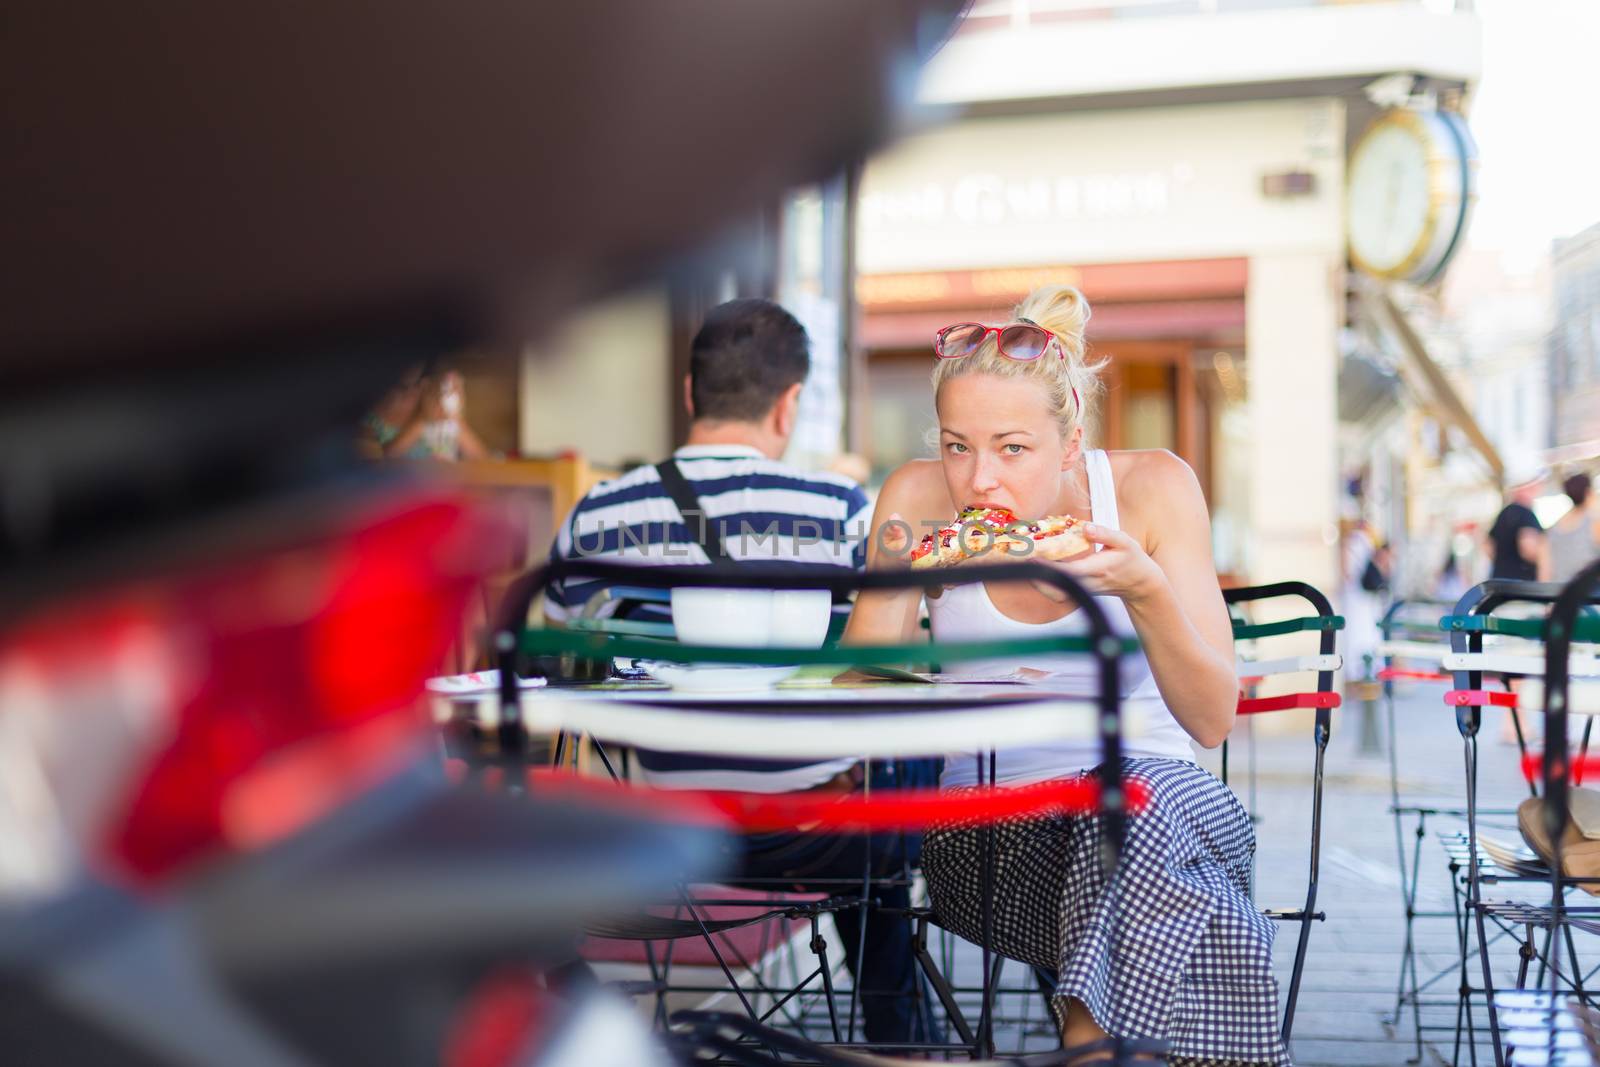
(747, 973)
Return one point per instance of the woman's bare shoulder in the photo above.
(1153, 486)
(916, 490)
(1151, 470)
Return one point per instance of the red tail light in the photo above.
(228, 708)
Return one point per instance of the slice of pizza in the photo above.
(996, 535)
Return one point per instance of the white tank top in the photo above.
(966, 613)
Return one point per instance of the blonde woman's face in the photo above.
(1000, 444)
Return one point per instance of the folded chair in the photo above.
(1546, 1027)
(1473, 622)
(1412, 651)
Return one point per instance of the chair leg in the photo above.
(657, 977)
(819, 947)
(856, 992)
(711, 943)
(1488, 986)
(1474, 909)
(1525, 955)
(1308, 914)
(1577, 969)
(941, 985)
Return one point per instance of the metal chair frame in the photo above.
(1467, 626)
(1326, 624)
(1102, 643)
(1410, 987)
(1556, 772)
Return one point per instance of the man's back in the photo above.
(763, 510)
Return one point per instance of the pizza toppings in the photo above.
(978, 531)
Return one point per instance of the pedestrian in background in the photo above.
(1516, 545)
(1516, 540)
(1358, 601)
(1574, 541)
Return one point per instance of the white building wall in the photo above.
(1101, 187)
(601, 383)
(1086, 56)
(1293, 313)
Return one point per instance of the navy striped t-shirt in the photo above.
(766, 512)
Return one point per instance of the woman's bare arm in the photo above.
(889, 616)
(1169, 584)
(1184, 625)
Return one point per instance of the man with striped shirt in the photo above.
(748, 364)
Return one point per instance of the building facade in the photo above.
(1184, 165)
(1574, 349)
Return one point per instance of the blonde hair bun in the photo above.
(1072, 383)
(1062, 310)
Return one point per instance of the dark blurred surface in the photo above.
(355, 942)
(178, 173)
(229, 228)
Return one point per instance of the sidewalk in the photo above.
(1352, 965)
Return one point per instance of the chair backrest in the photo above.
(1325, 663)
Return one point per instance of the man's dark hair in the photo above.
(1577, 489)
(745, 356)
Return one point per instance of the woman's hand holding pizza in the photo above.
(1121, 567)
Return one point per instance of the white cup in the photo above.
(723, 617)
(752, 618)
(800, 618)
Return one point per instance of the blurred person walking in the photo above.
(1516, 545)
(1362, 579)
(1574, 540)
(1516, 540)
(1450, 583)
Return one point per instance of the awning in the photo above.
(1111, 322)
(1579, 452)
(1425, 378)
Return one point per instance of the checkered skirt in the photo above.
(1178, 953)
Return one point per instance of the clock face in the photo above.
(1389, 199)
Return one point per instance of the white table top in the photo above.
(821, 721)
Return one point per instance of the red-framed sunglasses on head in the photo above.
(1022, 341)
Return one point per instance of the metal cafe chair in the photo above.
(571, 710)
(1325, 662)
(1472, 624)
(612, 609)
(1412, 650)
(1539, 1028)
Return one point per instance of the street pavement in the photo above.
(1347, 993)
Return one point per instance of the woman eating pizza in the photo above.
(1184, 956)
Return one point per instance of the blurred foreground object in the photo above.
(228, 231)
(193, 172)
(223, 246)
